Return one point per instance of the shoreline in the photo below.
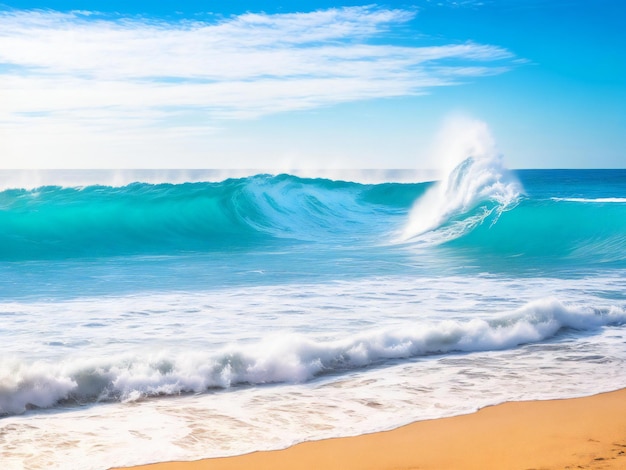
(587, 432)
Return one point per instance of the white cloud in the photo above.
(256, 59)
(95, 74)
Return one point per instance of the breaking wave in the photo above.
(479, 208)
(279, 359)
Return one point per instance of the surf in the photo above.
(293, 358)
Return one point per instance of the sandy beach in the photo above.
(587, 433)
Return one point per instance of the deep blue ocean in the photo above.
(144, 321)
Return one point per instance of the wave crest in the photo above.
(477, 189)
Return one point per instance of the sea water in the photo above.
(150, 316)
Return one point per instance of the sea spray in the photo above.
(476, 187)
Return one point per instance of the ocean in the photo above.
(152, 316)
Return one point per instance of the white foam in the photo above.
(284, 332)
(261, 418)
(477, 178)
(280, 358)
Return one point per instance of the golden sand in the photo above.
(581, 433)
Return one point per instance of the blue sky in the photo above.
(319, 84)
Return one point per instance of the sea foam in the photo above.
(294, 358)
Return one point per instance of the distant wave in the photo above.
(600, 200)
(33, 179)
(277, 359)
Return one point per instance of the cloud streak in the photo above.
(77, 66)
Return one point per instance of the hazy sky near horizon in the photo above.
(285, 84)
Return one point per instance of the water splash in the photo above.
(478, 187)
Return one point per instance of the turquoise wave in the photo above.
(56, 222)
(481, 211)
(589, 230)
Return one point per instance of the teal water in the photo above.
(555, 213)
(557, 218)
(272, 290)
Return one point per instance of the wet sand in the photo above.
(580, 433)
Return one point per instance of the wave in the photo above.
(477, 189)
(53, 221)
(288, 358)
(550, 229)
(480, 209)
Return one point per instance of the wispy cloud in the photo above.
(74, 65)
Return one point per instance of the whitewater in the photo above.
(184, 315)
